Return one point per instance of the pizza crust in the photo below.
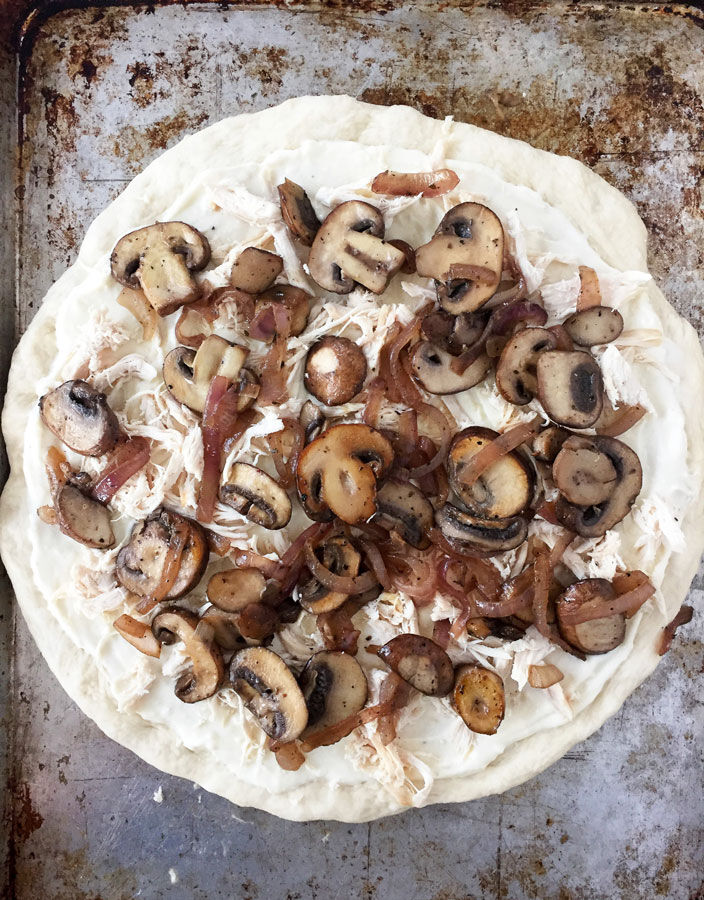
(616, 233)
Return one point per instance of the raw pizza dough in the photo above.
(553, 208)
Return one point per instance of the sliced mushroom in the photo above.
(270, 692)
(337, 473)
(595, 325)
(403, 507)
(80, 417)
(596, 519)
(257, 496)
(297, 212)
(548, 442)
(187, 373)
(205, 674)
(454, 333)
(598, 635)
(82, 518)
(349, 249)
(257, 622)
(159, 259)
(141, 562)
(312, 420)
(339, 556)
(226, 632)
(465, 257)
(335, 370)
(255, 270)
(479, 698)
(516, 377)
(419, 661)
(234, 589)
(137, 633)
(432, 367)
(582, 473)
(570, 387)
(334, 686)
(503, 490)
(294, 299)
(486, 536)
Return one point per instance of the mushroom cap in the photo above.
(479, 698)
(595, 325)
(234, 589)
(159, 259)
(516, 375)
(597, 635)
(503, 490)
(339, 556)
(80, 417)
(337, 473)
(140, 563)
(335, 370)
(548, 442)
(139, 634)
(188, 373)
(294, 299)
(469, 237)
(595, 520)
(297, 212)
(270, 692)
(82, 518)
(405, 507)
(432, 367)
(312, 420)
(334, 686)
(582, 473)
(421, 662)
(226, 632)
(570, 387)
(485, 536)
(205, 674)
(255, 270)
(257, 496)
(349, 249)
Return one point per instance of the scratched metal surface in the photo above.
(102, 92)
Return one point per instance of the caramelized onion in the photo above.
(544, 676)
(432, 412)
(558, 550)
(500, 323)
(58, 469)
(311, 535)
(394, 694)
(410, 184)
(626, 603)
(289, 756)
(547, 511)
(248, 559)
(626, 418)
(337, 631)
(441, 632)
(217, 544)
(334, 733)
(135, 301)
(127, 458)
(682, 618)
(340, 584)
(180, 532)
(263, 325)
(470, 272)
(541, 585)
(375, 398)
(195, 324)
(219, 417)
(564, 341)
(497, 448)
(285, 446)
(376, 564)
(273, 377)
(589, 290)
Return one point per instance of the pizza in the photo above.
(355, 462)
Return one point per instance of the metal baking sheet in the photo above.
(101, 91)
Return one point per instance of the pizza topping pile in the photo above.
(401, 501)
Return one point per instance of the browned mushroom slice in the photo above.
(297, 212)
(159, 259)
(312, 420)
(516, 377)
(257, 622)
(270, 692)
(337, 473)
(82, 518)
(485, 536)
(255, 270)
(187, 373)
(421, 662)
(582, 473)
(137, 633)
(234, 589)
(257, 496)
(432, 367)
(596, 519)
(598, 635)
(465, 257)
(453, 333)
(141, 562)
(294, 299)
(341, 558)
(226, 632)
(403, 507)
(570, 387)
(479, 698)
(335, 370)
(334, 686)
(595, 325)
(349, 249)
(503, 490)
(548, 443)
(80, 417)
(206, 671)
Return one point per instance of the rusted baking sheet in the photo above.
(103, 89)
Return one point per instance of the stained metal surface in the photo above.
(103, 90)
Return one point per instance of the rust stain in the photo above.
(26, 819)
(136, 145)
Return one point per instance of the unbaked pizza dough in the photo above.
(557, 215)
